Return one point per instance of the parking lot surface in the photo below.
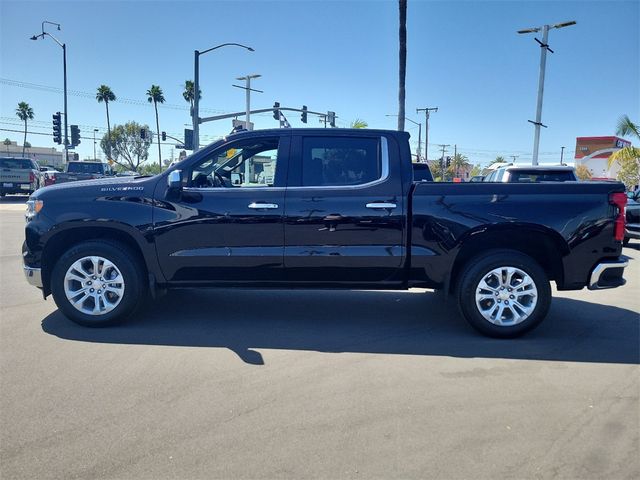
(315, 384)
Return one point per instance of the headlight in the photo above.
(33, 208)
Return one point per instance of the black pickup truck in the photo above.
(317, 208)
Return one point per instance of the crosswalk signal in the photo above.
(276, 111)
(303, 117)
(75, 136)
(57, 128)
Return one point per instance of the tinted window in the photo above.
(81, 167)
(339, 161)
(529, 176)
(22, 163)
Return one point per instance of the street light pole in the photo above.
(561, 155)
(64, 68)
(195, 115)
(427, 114)
(544, 46)
(248, 91)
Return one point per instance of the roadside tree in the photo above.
(25, 113)
(127, 148)
(155, 96)
(104, 94)
(583, 173)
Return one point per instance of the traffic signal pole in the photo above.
(66, 112)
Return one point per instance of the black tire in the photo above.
(477, 269)
(126, 262)
(626, 241)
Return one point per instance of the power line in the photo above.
(82, 94)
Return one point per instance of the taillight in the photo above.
(619, 200)
(32, 177)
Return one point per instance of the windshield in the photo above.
(81, 167)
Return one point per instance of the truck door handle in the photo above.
(381, 205)
(261, 206)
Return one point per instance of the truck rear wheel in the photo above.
(97, 283)
(503, 293)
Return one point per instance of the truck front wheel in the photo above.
(97, 283)
(503, 293)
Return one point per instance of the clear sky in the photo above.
(463, 57)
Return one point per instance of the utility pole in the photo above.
(561, 155)
(514, 157)
(248, 90)
(544, 46)
(94, 143)
(427, 114)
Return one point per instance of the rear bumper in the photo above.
(16, 188)
(632, 230)
(608, 274)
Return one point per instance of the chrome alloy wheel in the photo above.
(506, 296)
(94, 285)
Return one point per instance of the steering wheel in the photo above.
(218, 180)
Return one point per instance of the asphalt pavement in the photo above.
(315, 384)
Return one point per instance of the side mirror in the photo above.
(174, 180)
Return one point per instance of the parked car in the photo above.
(477, 178)
(532, 174)
(76, 170)
(18, 175)
(317, 208)
(632, 214)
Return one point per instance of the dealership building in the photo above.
(594, 153)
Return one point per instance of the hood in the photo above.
(93, 185)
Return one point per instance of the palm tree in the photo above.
(104, 94)
(7, 142)
(155, 96)
(459, 162)
(402, 68)
(359, 123)
(24, 113)
(499, 159)
(188, 94)
(626, 128)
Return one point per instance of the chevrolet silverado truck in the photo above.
(318, 208)
(78, 171)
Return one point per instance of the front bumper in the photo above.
(34, 276)
(608, 274)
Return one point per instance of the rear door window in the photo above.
(340, 161)
(532, 176)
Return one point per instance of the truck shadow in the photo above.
(406, 323)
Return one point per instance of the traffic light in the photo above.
(303, 117)
(143, 134)
(331, 117)
(188, 139)
(448, 162)
(75, 136)
(276, 110)
(164, 136)
(57, 128)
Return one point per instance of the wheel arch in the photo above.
(67, 236)
(542, 244)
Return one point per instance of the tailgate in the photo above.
(14, 175)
